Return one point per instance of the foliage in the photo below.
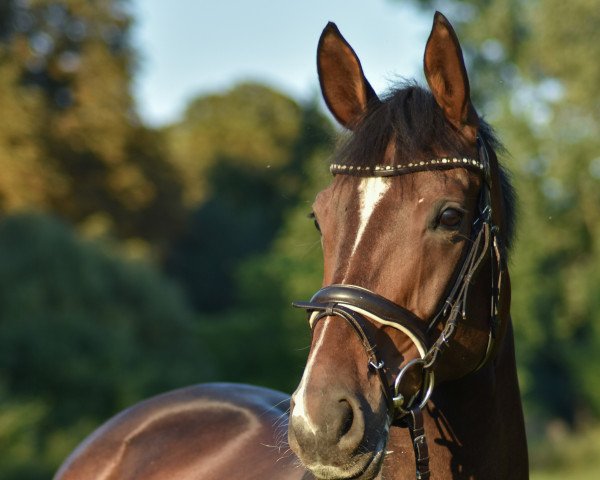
(253, 162)
(82, 335)
(69, 129)
(251, 128)
(262, 328)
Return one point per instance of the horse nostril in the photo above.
(347, 418)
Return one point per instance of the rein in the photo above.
(359, 306)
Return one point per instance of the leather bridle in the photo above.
(359, 306)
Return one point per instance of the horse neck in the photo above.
(474, 427)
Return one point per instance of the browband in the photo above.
(410, 167)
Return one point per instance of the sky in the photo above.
(193, 47)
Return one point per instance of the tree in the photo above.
(250, 248)
(261, 338)
(73, 143)
(251, 126)
(83, 334)
(243, 153)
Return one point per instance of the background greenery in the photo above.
(134, 260)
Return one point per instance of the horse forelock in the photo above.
(409, 126)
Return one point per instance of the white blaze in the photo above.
(300, 395)
(370, 190)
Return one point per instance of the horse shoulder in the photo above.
(205, 431)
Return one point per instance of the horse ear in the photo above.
(345, 89)
(447, 77)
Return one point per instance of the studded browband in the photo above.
(403, 168)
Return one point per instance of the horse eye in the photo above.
(312, 216)
(451, 218)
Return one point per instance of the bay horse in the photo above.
(411, 370)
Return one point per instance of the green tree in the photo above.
(252, 127)
(73, 143)
(261, 327)
(83, 334)
(243, 153)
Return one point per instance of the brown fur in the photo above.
(213, 431)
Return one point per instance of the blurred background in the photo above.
(157, 164)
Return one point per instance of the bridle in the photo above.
(359, 306)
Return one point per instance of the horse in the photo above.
(411, 370)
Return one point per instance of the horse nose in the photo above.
(327, 429)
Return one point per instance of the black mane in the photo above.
(410, 116)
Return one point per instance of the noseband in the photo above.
(359, 306)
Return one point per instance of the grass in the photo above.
(569, 457)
